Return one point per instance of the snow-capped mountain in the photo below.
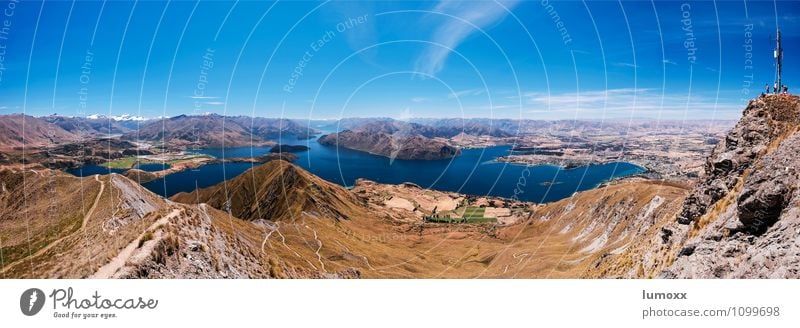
(123, 117)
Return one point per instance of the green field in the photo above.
(474, 212)
(130, 161)
(471, 215)
(185, 159)
(121, 163)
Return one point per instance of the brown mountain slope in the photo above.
(741, 220)
(51, 216)
(277, 190)
(55, 225)
(325, 231)
(37, 132)
(574, 237)
(562, 239)
(38, 207)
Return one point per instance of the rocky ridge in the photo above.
(746, 222)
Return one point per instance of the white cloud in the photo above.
(667, 61)
(203, 97)
(628, 65)
(626, 102)
(455, 30)
(466, 93)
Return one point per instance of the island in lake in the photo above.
(393, 139)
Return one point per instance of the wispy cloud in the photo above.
(627, 102)
(628, 65)
(453, 31)
(419, 99)
(669, 62)
(203, 97)
(466, 93)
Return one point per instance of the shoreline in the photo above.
(196, 160)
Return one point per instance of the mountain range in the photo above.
(739, 219)
(202, 130)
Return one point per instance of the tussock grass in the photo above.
(145, 237)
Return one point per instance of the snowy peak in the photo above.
(123, 117)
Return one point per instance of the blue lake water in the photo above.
(201, 177)
(473, 172)
(92, 170)
(152, 167)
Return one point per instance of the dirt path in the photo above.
(55, 242)
(96, 201)
(109, 269)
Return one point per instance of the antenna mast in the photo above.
(778, 62)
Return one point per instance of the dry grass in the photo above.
(145, 237)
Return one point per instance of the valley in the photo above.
(277, 219)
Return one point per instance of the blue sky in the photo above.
(504, 59)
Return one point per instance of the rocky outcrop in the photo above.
(764, 121)
(745, 213)
(769, 190)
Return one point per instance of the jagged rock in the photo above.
(753, 234)
(688, 250)
(768, 191)
(760, 124)
(665, 235)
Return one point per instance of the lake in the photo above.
(152, 167)
(88, 170)
(473, 172)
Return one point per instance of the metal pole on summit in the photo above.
(778, 62)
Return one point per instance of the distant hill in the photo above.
(276, 191)
(216, 131)
(393, 139)
(274, 128)
(85, 126)
(17, 130)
